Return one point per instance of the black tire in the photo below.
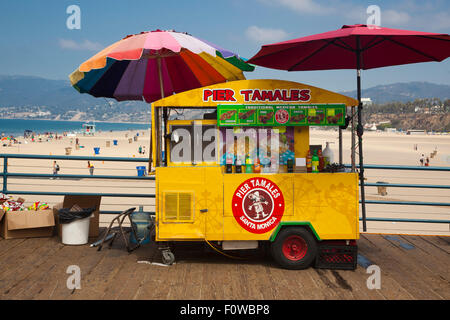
(294, 237)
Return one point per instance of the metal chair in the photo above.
(111, 233)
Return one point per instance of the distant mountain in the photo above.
(39, 98)
(403, 92)
(27, 90)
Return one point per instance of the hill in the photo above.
(403, 92)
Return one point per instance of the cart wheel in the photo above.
(294, 248)
(168, 257)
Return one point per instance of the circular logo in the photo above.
(282, 116)
(258, 205)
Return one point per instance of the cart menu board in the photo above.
(281, 115)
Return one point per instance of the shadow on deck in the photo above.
(412, 267)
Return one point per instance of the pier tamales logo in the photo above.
(258, 205)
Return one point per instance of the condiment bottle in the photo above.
(309, 162)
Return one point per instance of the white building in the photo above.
(366, 101)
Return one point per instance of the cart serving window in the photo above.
(234, 165)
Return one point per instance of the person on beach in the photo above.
(427, 162)
(422, 159)
(143, 150)
(140, 149)
(55, 169)
(91, 168)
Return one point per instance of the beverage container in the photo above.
(321, 160)
(328, 155)
(238, 166)
(290, 165)
(309, 162)
(257, 166)
(315, 162)
(248, 165)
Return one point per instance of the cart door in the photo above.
(180, 215)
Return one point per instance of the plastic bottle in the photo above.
(309, 162)
(321, 160)
(257, 165)
(328, 155)
(238, 168)
(315, 162)
(248, 165)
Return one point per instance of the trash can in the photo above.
(141, 223)
(97, 150)
(115, 142)
(141, 171)
(75, 225)
(382, 191)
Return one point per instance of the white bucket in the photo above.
(76, 232)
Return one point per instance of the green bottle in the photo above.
(315, 162)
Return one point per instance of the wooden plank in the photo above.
(7, 245)
(442, 243)
(46, 277)
(96, 281)
(397, 263)
(390, 287)
(23, 262)
(429, 254)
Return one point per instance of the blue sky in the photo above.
(37, 42)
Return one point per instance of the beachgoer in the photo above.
(77, 141)
(140, 149)
(55, 169)
(143, 150)
(427, 162)
(422, 159)
(91, 168)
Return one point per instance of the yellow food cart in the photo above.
(231, 165)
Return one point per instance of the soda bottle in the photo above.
(257, 166)
(309, 162)
(321, 160)
(315, 162)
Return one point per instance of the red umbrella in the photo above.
(355, 47)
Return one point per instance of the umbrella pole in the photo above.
(161, 86)
(360, 131)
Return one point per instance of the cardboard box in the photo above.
(83, 202)
(26, 224)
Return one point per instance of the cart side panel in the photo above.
(330, 202)
(201, 184)
(232, 229)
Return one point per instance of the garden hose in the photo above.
(223, 253)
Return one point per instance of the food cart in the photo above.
(231, 169)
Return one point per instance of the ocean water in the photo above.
(16, 127)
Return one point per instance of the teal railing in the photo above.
(403, 185)
(5, 174)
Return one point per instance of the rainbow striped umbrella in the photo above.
(152, 65)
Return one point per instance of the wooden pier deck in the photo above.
(412, 267)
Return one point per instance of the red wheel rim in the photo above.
(294, 248)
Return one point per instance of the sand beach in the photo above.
(380, 148)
